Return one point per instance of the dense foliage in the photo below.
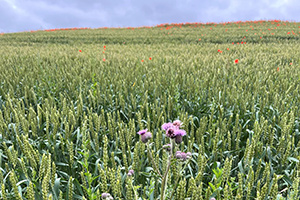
(72, 102)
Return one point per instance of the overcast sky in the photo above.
(25, 15)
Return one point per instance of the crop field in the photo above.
(177, 111)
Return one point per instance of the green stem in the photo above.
(152, 160)
(135, 193)
(165, 177)
(175, 186)
(177, 180)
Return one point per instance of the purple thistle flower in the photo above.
(180, 132)
(166, 126)
(171, 133)
(142, 132)
(146, 136)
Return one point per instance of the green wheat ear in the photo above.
(70, 188)
(13, 181)
(3, 192)
(30, 191)
(60, 195)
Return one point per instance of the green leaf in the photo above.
(292, 159)
(212, 186)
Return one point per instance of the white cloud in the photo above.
(11, 3)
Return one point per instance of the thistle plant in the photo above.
(87, 177)
(175, 134)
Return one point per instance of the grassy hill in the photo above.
(73, 100)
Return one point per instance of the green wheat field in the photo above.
(73, 100)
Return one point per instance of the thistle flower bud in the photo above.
(167, 147)
(183, 156)
(177, 123)
(178, 139)
(178, 154)
(130, 172)
(189, 154)
(145, 136)
(106, 196)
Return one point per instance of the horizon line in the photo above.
(154, 26)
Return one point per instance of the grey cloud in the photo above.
(22, 15)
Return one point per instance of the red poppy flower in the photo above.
(103, 59)
(142, 60)
(236, 61)
(199, 39)
(233, 43)
(288, 32)
(79, 50)
(104, 47)
(278, 69)
(228, 49)
(150, 58)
